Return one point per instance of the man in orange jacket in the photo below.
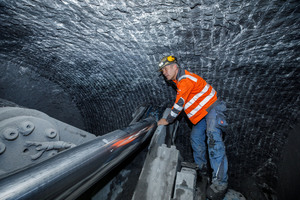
(199, 101)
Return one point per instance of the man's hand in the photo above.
(162, 121)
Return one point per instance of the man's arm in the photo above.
(183, 92)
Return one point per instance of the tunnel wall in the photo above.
(93, 62)
(23, 87)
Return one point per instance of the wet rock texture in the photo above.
(103, 56)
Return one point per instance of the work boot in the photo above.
(216, 192)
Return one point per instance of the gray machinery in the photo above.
(43, 158)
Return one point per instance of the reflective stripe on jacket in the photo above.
(194, 95)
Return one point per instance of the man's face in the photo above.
(170, 72)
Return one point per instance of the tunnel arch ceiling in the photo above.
(104, 55)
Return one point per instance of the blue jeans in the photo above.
(215, 145)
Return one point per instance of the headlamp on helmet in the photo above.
(165, 61)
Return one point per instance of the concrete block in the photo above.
(185, 184)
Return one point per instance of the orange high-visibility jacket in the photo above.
(194, 95)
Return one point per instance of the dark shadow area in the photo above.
(289, 167)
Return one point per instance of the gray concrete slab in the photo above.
(157, 177)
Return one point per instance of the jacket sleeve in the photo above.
(184, 89)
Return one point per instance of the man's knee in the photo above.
(216, 147)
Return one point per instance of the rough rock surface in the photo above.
(101, 59)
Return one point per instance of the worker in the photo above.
(199, 101)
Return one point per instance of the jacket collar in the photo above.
(180, 73)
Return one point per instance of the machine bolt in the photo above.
(2, 148)
(51, 133)
(26, 128)
(10, 133)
